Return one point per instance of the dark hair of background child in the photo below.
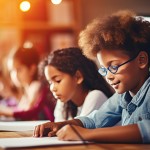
(69, 60)
(28, 57)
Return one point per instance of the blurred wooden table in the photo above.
(95, 146)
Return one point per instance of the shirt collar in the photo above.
(138, 98)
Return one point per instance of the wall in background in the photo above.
(46, 24)
(97, 8)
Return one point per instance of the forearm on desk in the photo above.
(6, 111)
(117, 134)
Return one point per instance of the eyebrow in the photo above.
(53, 78)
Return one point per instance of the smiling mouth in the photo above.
(115, 85)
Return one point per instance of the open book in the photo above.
(20, 125)
(34, 142)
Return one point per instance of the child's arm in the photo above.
(117, 134)
(50, 128)
(6, 111)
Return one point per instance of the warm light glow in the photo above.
(28, 44)
(25, 6)
(56, 1)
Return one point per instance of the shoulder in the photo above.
(96, 94)
(93, 101)
(34, 89)
(35, 85)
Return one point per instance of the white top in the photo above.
(93, 101)
(30, 96)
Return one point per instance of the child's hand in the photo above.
(5, 111)
(46, 129)
(2, 109)
(67, 133)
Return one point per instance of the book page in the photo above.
(34, 142)
(20, 125)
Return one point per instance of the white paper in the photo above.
(20, 125)
(34, 142)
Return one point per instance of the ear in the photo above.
(143, 59)
(79, 77)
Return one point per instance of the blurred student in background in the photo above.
(9, 93)
(36, 103)
(75, 83)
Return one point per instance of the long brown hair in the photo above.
(69, 60)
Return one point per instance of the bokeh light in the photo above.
(25, 6)
(56, 2)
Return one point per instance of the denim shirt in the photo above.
(130, 110)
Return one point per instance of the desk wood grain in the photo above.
(95, 146)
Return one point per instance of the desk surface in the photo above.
(94, 146)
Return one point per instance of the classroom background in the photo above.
(50, 26)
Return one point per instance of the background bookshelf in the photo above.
(46, 25)
(46, 21)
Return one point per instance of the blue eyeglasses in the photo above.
(113, 69)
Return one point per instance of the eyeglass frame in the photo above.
(116, 67)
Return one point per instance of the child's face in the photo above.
(62, 85)
(20, 74)
(127, 77)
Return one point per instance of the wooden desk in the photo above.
(96, 146)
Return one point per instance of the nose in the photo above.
(109, 76)
(53, 87)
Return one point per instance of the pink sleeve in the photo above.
(45, 104)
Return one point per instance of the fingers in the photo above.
(53, 132)
(35, 132)
(69, 132)
(41, 130)
(38, 131)
(47, 129)
(62, 134)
